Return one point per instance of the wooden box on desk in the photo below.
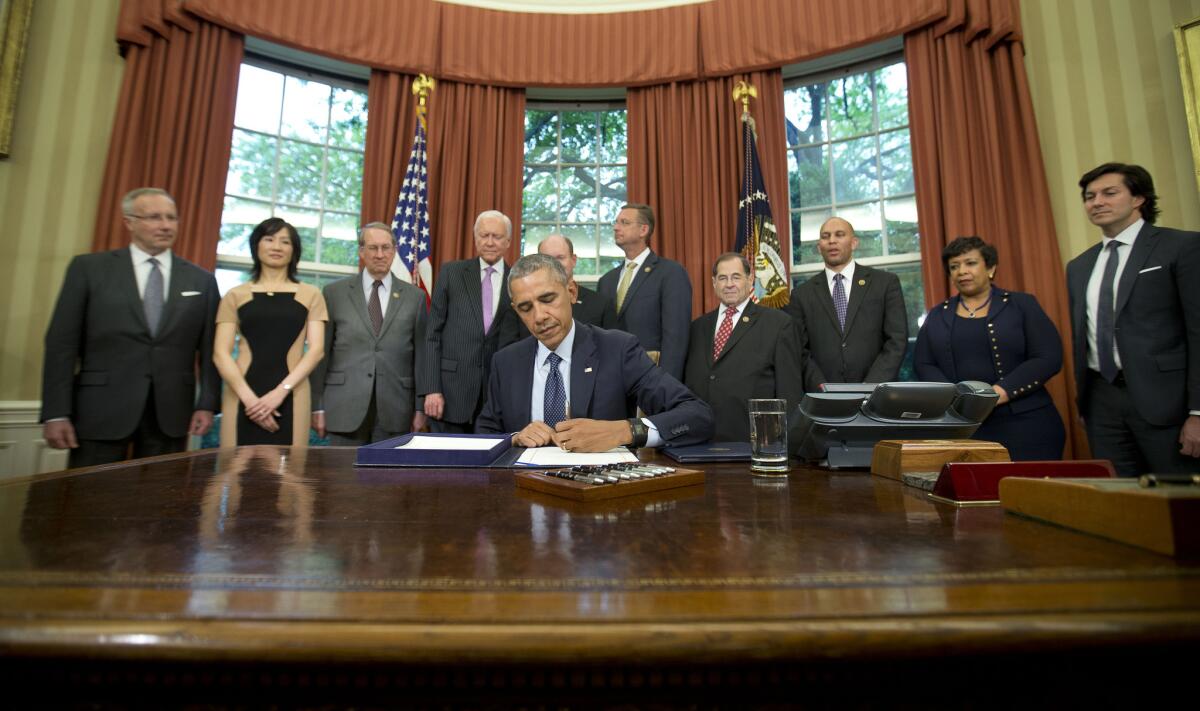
(893, 457)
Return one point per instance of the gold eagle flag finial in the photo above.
(744, 92)
(421, 86)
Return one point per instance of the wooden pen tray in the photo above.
(579, 491)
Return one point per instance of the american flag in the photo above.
(756, 236)
(411, 225)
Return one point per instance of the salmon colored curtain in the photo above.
(391, 124)
(685, 161)
(476, 157)
(978, 164)
(174, 129)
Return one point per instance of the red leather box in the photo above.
(978, 483)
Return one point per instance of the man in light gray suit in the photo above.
(469, 320)
(364, 390)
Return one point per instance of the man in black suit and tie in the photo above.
(589, 307)
(850, 317)
(741, 351)
(653, 295)
(364, 390)
(128, 333)
(1136, 328)
(469, 320)
(575, 385)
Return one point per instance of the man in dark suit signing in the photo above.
(741, 351)
(652, 294)
(576, 385)
(131, 330)
(469, 320)
(364, 390)
(589, 307)
(850, 317)
(1136, 328)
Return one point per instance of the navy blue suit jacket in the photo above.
(1026, 348)
(610, 375)
(657, 308)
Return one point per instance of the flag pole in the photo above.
(411, 227)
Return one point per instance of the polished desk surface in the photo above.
(293, 554)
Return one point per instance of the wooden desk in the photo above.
(288, 574)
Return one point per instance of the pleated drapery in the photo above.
(173, 130)
(391, 124)
(978, 165)
(685, 160)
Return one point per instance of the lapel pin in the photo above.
(745, 319)
(862, 282)
(587, 369)
(395, 295)
(647, 270)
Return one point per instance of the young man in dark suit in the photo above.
(364, 390)
(130, 332)
(851, 317)
(575, 385)
(469, 320)
(652, 294)
(1136, 328)
(590, 306)
(741, 351)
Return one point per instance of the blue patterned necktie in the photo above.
(1106, 316)
(554, 400)
(152, 300)
(839, 300)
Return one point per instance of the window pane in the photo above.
(533, 234)
(913, 288)
(578, 136)
(339, 239)
(540, 195)
(850, 110)
(260, 97)
(348, 119)
(305, 109)
(903, 235)
(806, 230)
(868, 227)
(583, 238)
(854, 170)
(612, 194)
(808, 175)
(613, 136)
(577, 192)
(238, 219)
(804, 112)
(307, 223)
(228, 277)
(343, 180)
(300, 173)
(541, 136)
(891, 91)
(251, 165)
(895, 161)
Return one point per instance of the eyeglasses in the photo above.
(626, 223)
(156, 217)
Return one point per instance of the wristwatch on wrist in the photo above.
(639, 432)
(285, 386)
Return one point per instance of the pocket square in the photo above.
(1150, 269)
(189, 293)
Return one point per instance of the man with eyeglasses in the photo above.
(364, 390)
(131, 335)
(652, 294)
(469, 320)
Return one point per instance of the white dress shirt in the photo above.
(541, 372)
(848, 272)
(497, 278)
(638, 260)
(1126, 237)
(737, 317)
(141, 269)
(385, 292)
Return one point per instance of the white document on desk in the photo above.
(558, 457)
(422, 442)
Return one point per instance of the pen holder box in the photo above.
(386, 454)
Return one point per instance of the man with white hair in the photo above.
(469, 320)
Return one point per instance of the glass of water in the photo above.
(768, 437)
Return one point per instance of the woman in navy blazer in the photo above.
(999, 337)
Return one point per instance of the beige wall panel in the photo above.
(1105, 83)
(50, 183)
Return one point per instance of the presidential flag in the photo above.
(410, 227)
(756, 236)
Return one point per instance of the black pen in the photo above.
(1152, 480)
